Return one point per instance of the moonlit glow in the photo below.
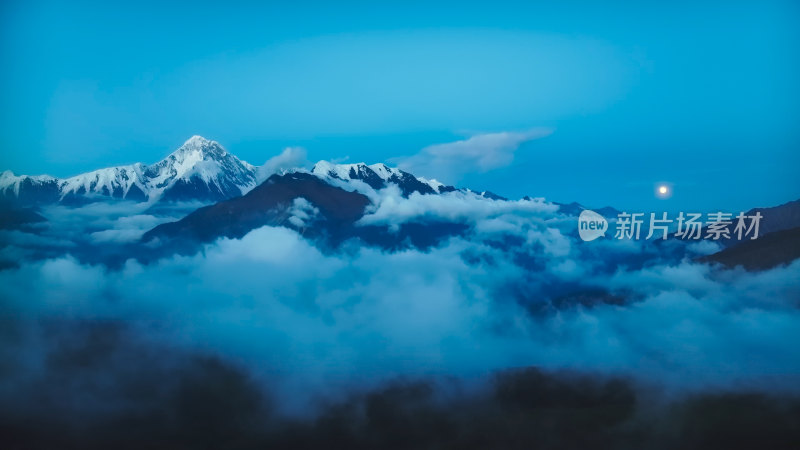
(662, 190)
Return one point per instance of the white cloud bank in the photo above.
(391, 208)
(301, 319)
(478, 153)
(289, 158)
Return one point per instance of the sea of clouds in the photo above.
(309, 327)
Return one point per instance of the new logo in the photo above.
(591, 225)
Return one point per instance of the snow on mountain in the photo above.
(28, 189)
(378, 176)
(200, 169)
(117, 182)
(13, 183)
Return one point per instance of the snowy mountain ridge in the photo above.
(200, 169)
(378, 176)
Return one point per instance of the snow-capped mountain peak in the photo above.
(205, 159)
(198, 148)
(200, 169)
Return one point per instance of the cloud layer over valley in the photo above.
(275, 331)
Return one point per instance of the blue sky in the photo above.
(704, 96)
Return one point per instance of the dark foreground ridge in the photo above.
(186, 401)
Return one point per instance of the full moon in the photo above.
(663, 190)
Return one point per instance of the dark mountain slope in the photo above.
(766, 252)
(12, 217)
(774, 218)
(267, 204)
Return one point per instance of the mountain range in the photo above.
(308, 203)
(199, 170)
(324, 203)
